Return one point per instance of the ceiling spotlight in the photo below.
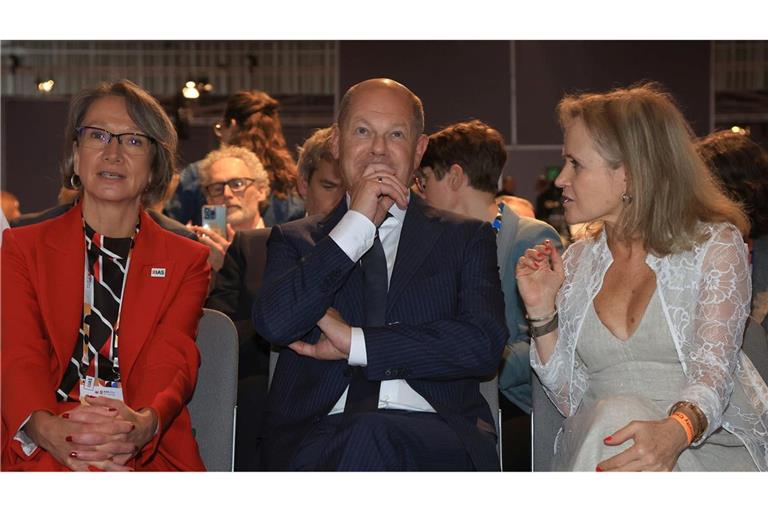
(45, 86)
(740, 130)
(190, 91)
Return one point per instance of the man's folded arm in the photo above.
(298, 289)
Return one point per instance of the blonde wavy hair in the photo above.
(672, 190)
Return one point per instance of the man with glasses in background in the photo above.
(233, 177)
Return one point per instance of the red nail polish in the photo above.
(65, 415)
(68, 439)
(73, 455)
(93, 468)
(608, 439)
(598, 469)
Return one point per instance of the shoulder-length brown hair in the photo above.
(259, 129)
(672, 190)
(151, 119)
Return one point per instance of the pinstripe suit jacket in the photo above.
(445, 326)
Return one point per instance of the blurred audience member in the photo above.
(233, 177)
(458, 173)
(10, 205)
(319, 179)
(251, 121)
(70, 305)
(742, 167)
(520, 206)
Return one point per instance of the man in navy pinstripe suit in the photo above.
(442, 327)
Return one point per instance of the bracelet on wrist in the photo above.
(696, 414)
(540, 330)
(684, 422)
(546, 318)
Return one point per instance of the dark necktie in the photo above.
(363, 394)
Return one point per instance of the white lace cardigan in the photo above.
(705, 294)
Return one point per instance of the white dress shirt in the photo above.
(355, 234)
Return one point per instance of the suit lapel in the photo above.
(144, 294)
(61, 276)
(418, 236)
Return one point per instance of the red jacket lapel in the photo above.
(61, 274)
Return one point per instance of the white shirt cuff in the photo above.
(357, 353)
(354, 234)
(27, 444)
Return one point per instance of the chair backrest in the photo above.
(545, 424)
(756, 347)
(214, 404)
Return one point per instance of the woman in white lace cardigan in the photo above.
(674, 391)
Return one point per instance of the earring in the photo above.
(626, 198)
(72, 181)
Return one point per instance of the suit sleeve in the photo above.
(28, 380)
(167, 370)
(466, 343)
(298, 288)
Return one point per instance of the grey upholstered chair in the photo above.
(214, 405)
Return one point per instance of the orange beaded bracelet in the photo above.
(684, 422)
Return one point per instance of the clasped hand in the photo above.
(335, 340)
(657, 446)
(103, 434)
(375, 192)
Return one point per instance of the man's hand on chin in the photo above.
(373, 192)
(333, 344)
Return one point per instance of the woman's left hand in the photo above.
(657, 446)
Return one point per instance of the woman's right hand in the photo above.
(540, 275)
(83, 438)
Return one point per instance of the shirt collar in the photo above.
(394, 210)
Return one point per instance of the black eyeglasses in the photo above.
(99, 138)
(236, 185)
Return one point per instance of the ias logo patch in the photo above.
(157, 272)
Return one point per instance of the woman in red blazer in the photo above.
(100, 306)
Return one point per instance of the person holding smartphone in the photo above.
(232, 177)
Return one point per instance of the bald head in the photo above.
(382, 84)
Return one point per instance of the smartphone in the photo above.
(215, 218)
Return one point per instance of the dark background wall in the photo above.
(513, 86)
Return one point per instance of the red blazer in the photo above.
(42, 297)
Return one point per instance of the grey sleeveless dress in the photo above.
(637, 379)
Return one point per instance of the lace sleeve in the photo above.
(710, 354)
(563, 378)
